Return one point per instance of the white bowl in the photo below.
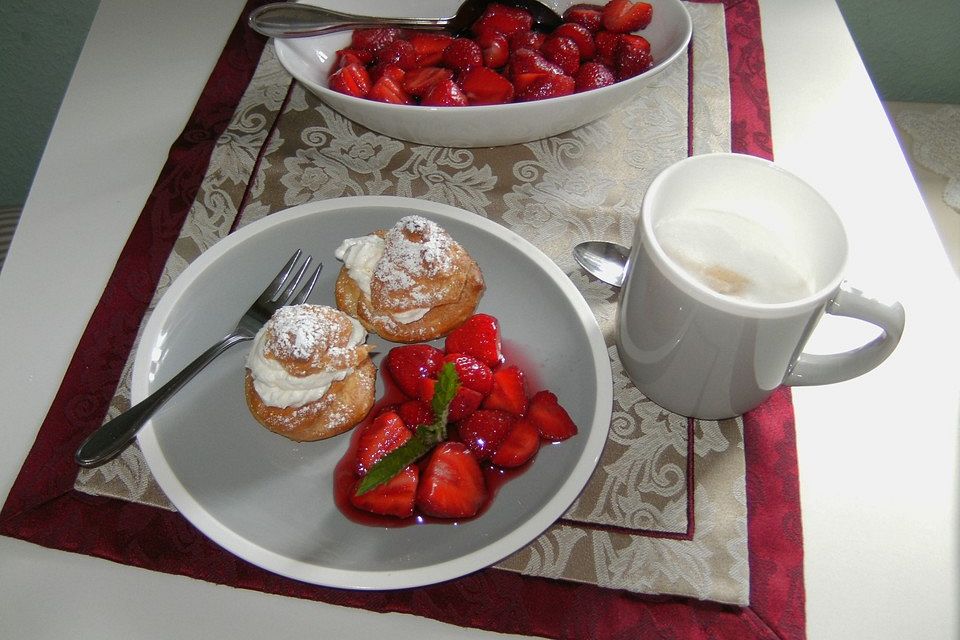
(309, 61)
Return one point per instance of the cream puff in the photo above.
(409, 283)
(309, 374)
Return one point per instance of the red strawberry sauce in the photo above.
(345, 478)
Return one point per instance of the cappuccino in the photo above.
(732, 255)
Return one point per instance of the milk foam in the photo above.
(733, 256)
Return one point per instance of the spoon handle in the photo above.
(296, 20)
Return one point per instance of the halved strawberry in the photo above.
(393, 498)
(547, 86)
(452, 484)
(419, 81)
(462, 54)
(506, 20)
(352, 80)
(624, 16)
(552, 420)
(593, 75)
(352, 56)
(606, 47)
(473, 373)
(579, 34)
(415, 413)
(374, 39)
(587, 15)
(444, 93)
(478, 336)
(509, 391)
(386, 89)
(563, 52)
(632, 57)
(520, 444)
(484, 430)
(399, 52)
(411, 363)
(380, 437)
(530, 61)
(429, 47)
(464, 402)
(495, 48)
(483, 85)
(532, 40)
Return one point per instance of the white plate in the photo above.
(269, 500)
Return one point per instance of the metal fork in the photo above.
(111, 438)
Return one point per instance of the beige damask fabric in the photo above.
(665, 511)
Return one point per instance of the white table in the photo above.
(879, 486)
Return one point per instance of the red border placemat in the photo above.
(43, 507)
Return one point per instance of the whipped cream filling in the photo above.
(360, 256)
(278, 388)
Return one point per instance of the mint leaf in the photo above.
(394, 462)
(424, 438)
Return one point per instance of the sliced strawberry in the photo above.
(579, 34)
(520, 444)
(452, 484)
(464, 402)
(606, 47)
(352, 80)
(495, 49)
(429, 47)
(391, 71)
(393, 498)
(444, 93)
(483, 85)
(386, 89)
(352, 56)
(462, 54)
(409, 364)
(419, 81)
(547, 86)
(415, 413)
(473, 373)
(632, 57)
(532, 40)
(478, 336)
(624, 16)
(593, 75)
(509, 391)
(484, 430)
(586, 15)
(563, 52)
(399, 52)
(373, 40)
(506, 20)
(552, 420)
(380, 437)
(530, 61)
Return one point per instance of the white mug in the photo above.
(734, 262)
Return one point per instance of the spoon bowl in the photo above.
(605, 261)
(296, 20)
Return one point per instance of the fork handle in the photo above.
(111, 438)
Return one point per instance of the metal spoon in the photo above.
(605, 261)
(296, 20)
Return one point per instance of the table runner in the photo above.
(252, 172)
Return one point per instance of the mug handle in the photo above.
(811, 369)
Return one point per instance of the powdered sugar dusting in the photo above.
(299, 334)
(415, 249)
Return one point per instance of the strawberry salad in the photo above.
(504, 60)
(462, 418)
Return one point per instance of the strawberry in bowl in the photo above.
(519, 84)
